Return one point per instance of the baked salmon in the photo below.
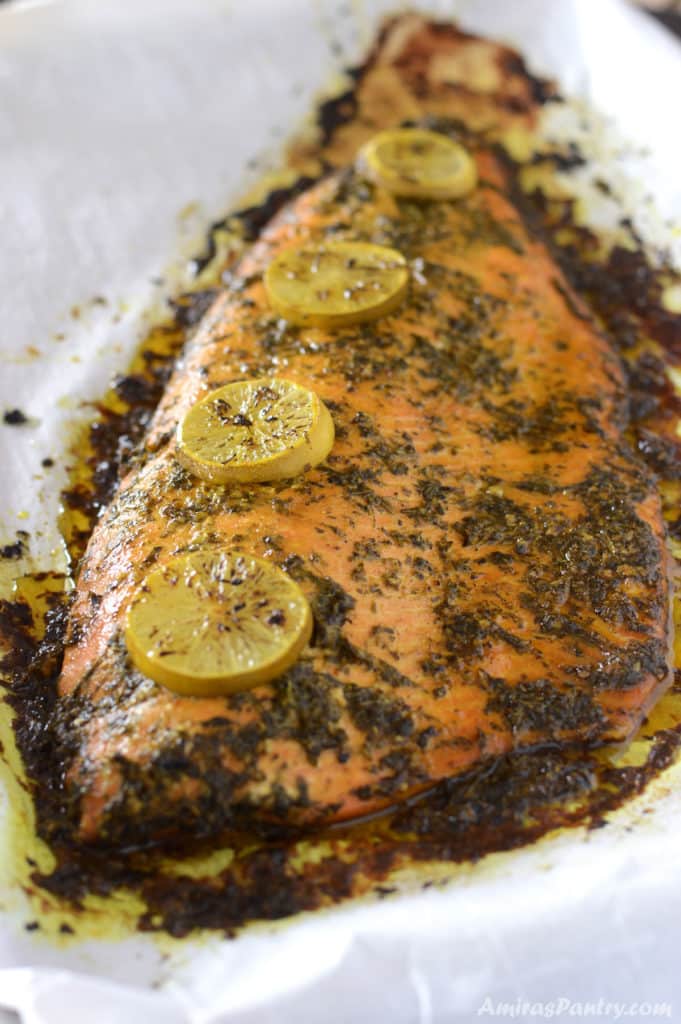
(483, 552)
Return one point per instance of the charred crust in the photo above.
(382, 719)
(306, 708)
(539, 706)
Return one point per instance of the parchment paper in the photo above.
(126, 126)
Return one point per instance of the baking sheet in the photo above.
(125, 128)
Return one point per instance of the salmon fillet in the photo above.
(483, 552)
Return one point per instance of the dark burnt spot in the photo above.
(541, 90)
(383, 719)
(495, 519)
(16, 622)
(251, 218)
(627, 667)
(567, 159)
(18, 548)
(543, 426)
(210, 804)
(542, 707)
(663, 454)
(464, 632)
(625, 289)
(137, 390)
(356, 482)
(190, 308)
(573, 567)
(468, 633)
(15, 418)
(306, 708)
(335, 112)
(331, 606)
(254, 218)
(515, 789)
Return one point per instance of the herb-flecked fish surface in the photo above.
(483, 552)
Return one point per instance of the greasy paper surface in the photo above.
(116, 120)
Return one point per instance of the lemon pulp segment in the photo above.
(252, 431)
(208, 624)
(422, 164)
(336, 284)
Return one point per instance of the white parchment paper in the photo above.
(126, 126)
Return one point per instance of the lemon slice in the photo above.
(255, 430)
(412, 162)
(336, 284)
(209, 624)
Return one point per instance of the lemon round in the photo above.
(422, 164)
(252, 431)
(336, 284)
(209, 624)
